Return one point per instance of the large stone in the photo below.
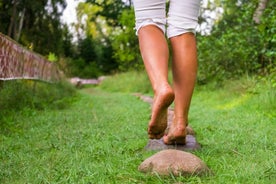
(158, 144)
(174, 162)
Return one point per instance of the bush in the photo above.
(79, 68)
(238, 46)
(267, 30)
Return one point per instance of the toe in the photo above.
(156, 136)
(169, 140)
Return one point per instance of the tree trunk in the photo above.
(259, 11)
(20, 25)
(12, 19)
(130, 3)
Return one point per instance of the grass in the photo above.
(129, 82)
(16, 95)
(236, 128)
(100, 137)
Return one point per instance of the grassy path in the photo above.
(100, 139)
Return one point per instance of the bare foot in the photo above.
(176, 133)
(158, 123)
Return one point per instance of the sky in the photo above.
(69, 14)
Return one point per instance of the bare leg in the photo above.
(155, 54)
(184, 77)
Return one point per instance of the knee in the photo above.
(158, 22)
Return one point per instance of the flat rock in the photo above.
(158, 144)
(174, 162)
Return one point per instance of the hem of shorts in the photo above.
(180, 33)
(148, 24)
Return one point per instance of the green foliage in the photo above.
(52, 57)
(267, 30)
(125, 43)
(236, 45)
(110, 41)
(79, 68)
(34, 23)
(110, 9)
(230, 55)
(18, 95)
(87, 49)
(68, 47)
(94, 59)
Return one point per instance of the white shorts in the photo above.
(182, 15)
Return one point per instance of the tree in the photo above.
(34, 23)
(97, 22)
(125, 43)
(110, 9)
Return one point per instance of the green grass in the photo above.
(127, 82)
(16, 95)
(100, 137)
(237, 130)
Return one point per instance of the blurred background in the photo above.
(91, 38)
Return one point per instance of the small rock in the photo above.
(174, 162)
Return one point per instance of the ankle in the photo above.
(162, 88)
(180, 121)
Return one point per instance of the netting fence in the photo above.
(17, 62)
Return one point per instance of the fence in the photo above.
(16, 62)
